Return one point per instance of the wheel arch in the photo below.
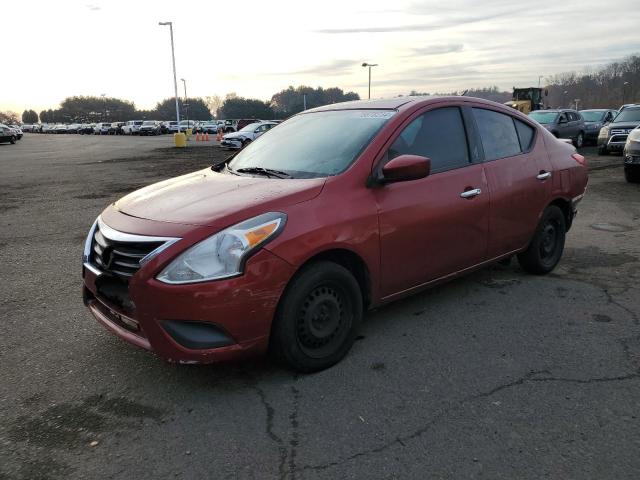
(565, 206)
(350, 260)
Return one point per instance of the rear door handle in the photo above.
(543, 175)
(471, 193)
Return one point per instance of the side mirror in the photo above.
(404, 168)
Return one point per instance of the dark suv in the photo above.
(563, 123)
(613, 137)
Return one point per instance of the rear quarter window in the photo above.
(525, 134)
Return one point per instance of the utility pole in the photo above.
(173, 59)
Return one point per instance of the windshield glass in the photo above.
(250, 127)
(628, 115)
(150, 122)
(316, 144)
(593, 116)
(544, 117)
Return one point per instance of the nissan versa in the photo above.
(335, 211)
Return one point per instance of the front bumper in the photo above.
(232, 144)
(613, 142)
(195, 323)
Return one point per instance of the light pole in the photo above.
(539, 79)
(173, 59)
(365, 64)
(624, 91)
(304, 101)
(186, 104)
(104, 106)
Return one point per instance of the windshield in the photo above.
(316, 144)
(150, 122)
(593, 116)
(544, 117)
(628, 115)
(250, 127)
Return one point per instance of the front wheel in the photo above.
(631, 175)
(13, 140)
(547, 245)
(602, 150)
(579, 140)
(318, 317)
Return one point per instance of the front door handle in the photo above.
(471, 193)
(543, 175)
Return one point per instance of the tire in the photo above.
(546, 247)
(317, 318)
(602, 150)
(13, 140)
(579, 141)
(246, 142)
(632, 175)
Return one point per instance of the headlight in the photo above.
(223, 255)
(87, 243)
(604, 132)
(634, 136)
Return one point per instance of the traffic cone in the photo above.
(206, 136)
(219, 136)
(197, 137)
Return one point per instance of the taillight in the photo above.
(580, 159)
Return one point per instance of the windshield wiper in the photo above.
(263, 171)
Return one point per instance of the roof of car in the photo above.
(597, 110)
(378, 104)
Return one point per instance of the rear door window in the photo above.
(497, 133)
(439, 135)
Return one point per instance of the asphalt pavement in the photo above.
(498, 375)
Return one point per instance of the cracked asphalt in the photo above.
(498, 375)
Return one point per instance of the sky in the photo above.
(257, 48)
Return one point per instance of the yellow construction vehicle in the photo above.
(527, 99)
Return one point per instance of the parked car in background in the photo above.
(260, 252)
(132, 127)
(185, 124)
(246, 135)
(73, 128)
(562, 123)
(7, 134)
(102, 128)
(149, 127)
(594, 120)
(60, 128)
(17, 130)
(116, 128)
(613, 137)
(208, 127)
(173, 126)
(86, 129)
(28, 128)
(632, 156)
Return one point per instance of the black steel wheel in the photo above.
(546, 247)
(318, 316)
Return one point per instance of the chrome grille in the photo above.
(121, 259)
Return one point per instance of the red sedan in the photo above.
(335, 211)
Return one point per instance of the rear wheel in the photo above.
(317, 319)
(547, 244)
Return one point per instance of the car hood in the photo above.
(623, 125)
(208, 198)
(231, 136)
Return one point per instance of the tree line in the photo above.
(609, 86)
(90, 109)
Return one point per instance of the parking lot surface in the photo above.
(497, 375)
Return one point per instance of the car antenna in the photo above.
(464, 93)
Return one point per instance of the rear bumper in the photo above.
(196, 323)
